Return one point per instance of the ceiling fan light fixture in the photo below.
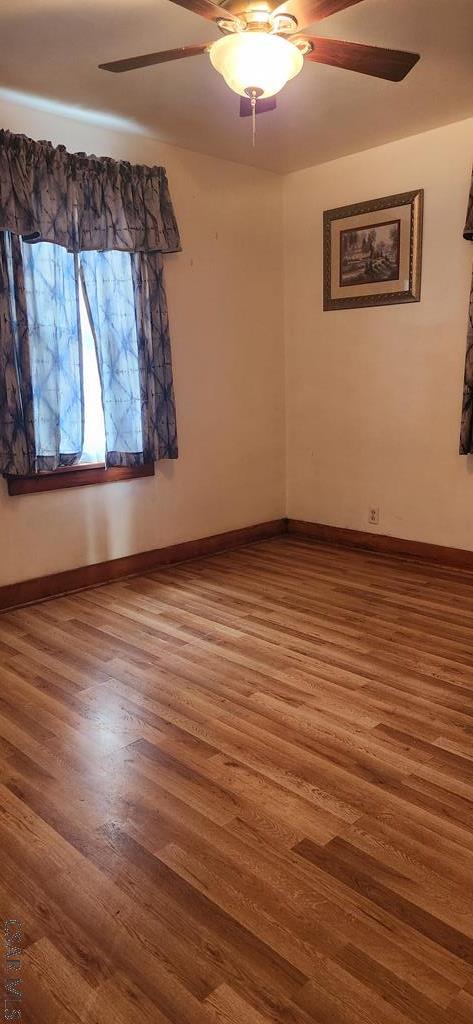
(257, 62)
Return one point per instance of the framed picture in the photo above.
(373, 252)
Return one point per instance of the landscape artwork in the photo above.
(373, 252)
(369, 255)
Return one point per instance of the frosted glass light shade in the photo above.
(256, 60)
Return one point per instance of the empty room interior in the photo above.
(236, 511)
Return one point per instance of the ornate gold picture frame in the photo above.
(373, 252)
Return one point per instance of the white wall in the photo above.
(225, 294)
(373, 395)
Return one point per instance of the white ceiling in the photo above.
(52, 47)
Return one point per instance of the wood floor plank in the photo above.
(240, 791)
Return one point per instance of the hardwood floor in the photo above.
(240, 791)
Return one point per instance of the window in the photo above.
(63, 293)
(112, 222)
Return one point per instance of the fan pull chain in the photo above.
(253, 115)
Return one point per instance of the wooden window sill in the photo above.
(81, 475)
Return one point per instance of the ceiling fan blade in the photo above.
(261, 106)
(308, 11)
(392, 65)
(148, 59)
(206, 9)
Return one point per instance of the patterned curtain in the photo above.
(17, 442)
(108, 289)
(154, 345)
(128, 312)
(466, 431)
(83, 202)
(61, 213)
(41, 398)
(52, 304)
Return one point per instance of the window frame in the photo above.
(80, 475)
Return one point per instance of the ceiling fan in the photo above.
(262, 47)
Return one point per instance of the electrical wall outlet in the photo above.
(373, 515)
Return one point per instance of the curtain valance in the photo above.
(83, 202)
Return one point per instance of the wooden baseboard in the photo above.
(15, 595)
(455, 557)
